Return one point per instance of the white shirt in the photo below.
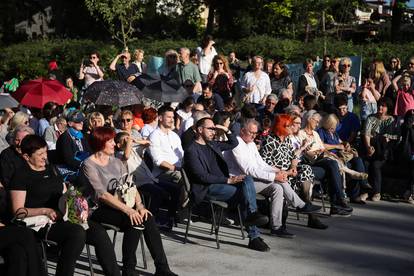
(147, 130)
(204, 61)
(245, 159)
(261, 86)
(165, 147)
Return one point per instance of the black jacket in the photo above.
(66, 150)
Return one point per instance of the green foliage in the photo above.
(29, 60)
(118, 15)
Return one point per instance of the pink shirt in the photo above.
(405, 102)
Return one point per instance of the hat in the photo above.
(76, 117)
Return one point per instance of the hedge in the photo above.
(29, 59)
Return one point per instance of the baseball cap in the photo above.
(76, 117)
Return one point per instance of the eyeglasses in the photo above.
(347, 65)
(251, 133)
(126, 120)
(210, 128)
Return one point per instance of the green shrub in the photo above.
(30, 59)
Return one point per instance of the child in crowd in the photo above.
(405, 96)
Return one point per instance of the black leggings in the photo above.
(106, 214)
(70, 239)
(19, 248)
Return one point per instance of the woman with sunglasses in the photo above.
(220, 77)
(345, 83)
(90, 71)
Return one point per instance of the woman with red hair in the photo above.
(104, 172)
(278, 151)
(150, 118)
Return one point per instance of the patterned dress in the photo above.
(280, 154)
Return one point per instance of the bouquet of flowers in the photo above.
(75, 207)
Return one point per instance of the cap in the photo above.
(76, 117)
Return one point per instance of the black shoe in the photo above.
(338, 212)
(165, 272)
(315, 223)
(259, 245)
(256, 219)
(308, 208)
(282, 233)
(130, 273)
(366, 186)
(358, 200)
(344, 206)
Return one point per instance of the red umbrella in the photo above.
(36, 93)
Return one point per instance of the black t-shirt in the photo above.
(43, 188)
(10, 162)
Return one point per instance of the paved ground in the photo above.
(377, 240)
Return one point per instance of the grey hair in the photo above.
(309, 115)
(345, 60)
(18, 129)
(247, 122)
(272, 97)
(200, 114)
(185, 49)
(292, 110)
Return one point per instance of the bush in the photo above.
(29, 60)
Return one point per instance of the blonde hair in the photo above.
(377, 70)
(137, 52)
(329, 121)
(18, 119)
(95, 115)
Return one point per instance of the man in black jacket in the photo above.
(209, 175)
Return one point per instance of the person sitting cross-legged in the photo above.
(209, 173)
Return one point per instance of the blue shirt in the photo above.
(328, 138)
(348, 124)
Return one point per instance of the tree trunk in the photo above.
(396, 20)
(307, 31)
(211, 17)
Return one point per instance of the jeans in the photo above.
(19, 248)
(106, 214)
(335, 186)
(367, 109)
(356, 164)
(243, 193)
(70, 238)
(350, 103)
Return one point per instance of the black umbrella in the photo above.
(160, 88)
(114, 93)
(6, 101)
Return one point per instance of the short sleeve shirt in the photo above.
(188, 71)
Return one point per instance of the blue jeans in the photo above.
(243, 193)
(335, 185)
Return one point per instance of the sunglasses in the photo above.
(347, 65)
(126, 120)
(411, 64)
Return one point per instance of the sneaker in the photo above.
(337, 212)
(227, 221)
(308, 208)
(341, 204)
(282, 233)
(258, 244)
(364, 196)
(358, 200)
(315, 223)
(376, 197)
(256, 219)
(410, 200)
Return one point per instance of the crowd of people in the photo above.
(242, 131)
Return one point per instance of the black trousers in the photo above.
(70, 239)
(162, 192)
(375, 174)
(106, 214)
(19, 248)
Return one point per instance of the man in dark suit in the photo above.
(209, 175)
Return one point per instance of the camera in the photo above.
(86, 62)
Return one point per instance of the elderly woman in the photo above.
(20, 118)
(220, 77)
(345, 83)
(53, 132)
(277, 150)
(314, 153)
(37, 189)
(378, 131)
(280, 79)
(171, 60)
(334, 144)
(100, 169)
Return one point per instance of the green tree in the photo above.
(118, 15)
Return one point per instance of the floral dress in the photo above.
(280, 154)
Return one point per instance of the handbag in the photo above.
(125, 190)
(21, 219)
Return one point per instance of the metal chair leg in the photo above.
(215, 225)
(213, 217)
(323, 200)
(241, 222)
(144, 258)
(297, 215)
(44, 255)
(88, 252)
(114, 238)
(190, 210)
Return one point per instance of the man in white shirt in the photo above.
(268, 181)
(256, 83)
(167, 153)
(205, 54)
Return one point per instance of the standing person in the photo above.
(379, 76)
(345, 83)
(268, 66)
(139, 61)
(308, 84)
(405, 96)
(220, 77)
(100, 169)
(280, 79)
(188, 71)
(256, 83)
(126, 70)
(368, 99)
(205, 54)
(72, 89)
(209, 173)
(234, 65)
(394, 67)
(90, 71)
(171, 60)
(321, 74)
